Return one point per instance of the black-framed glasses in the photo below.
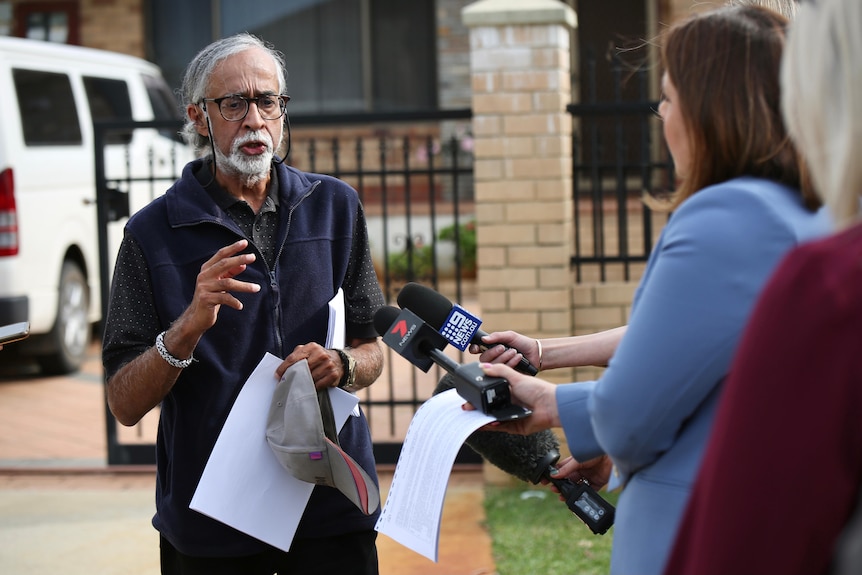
(234, 108)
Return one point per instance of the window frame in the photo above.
(23, 11)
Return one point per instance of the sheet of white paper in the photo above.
(414, 506)
(243, 484)
(335, 334)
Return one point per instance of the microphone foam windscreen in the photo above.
(428, 304)
(517, 455)
(384, 318)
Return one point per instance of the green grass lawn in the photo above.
(533, 532)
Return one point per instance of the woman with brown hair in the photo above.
(741, 205)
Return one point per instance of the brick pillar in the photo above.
(521, 79)
(520, 69)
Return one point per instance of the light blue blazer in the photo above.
(653, 407)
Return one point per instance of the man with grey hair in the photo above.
(240, 257)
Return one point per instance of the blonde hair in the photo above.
(787, 8)
(822, 100)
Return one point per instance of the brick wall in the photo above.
(597, 307)
(116, 25)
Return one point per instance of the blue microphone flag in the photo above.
(460, 327)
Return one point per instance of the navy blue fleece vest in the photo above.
(180, 231)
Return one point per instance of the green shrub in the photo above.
(414, 263)
(466, 248)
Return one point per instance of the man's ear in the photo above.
(197, 115)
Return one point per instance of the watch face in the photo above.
(351, 370)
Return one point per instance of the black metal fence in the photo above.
(618, 160)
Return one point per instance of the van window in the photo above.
(109, 100)
(162, 100)
(164, 104)
(47, 107)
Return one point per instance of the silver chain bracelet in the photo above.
(166, 355)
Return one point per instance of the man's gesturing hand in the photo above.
(215, 283)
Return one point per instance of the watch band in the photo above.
(348, 365)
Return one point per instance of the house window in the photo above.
(341, 55)
(403, 52)
(354, 55)
(327, 65)
(48, 21)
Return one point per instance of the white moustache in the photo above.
(260, 136)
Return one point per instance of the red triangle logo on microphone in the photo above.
(400, 328)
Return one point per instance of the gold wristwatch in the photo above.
(348, 363)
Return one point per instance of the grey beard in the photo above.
(252, 169)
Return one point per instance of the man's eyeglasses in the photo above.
(235, 107)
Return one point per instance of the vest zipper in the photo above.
(273, 280)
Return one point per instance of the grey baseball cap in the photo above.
(301, 431)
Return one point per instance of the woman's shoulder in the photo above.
(744, 200)
(729, 200)
(758, 190)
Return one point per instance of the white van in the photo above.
(49, 250)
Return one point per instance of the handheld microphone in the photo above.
(530, 458)
(422, 346)
(437, 310)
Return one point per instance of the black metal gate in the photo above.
(126, 179)
(619, 160)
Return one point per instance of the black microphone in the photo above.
(530, 458)
(422, 345)
(434, 308)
